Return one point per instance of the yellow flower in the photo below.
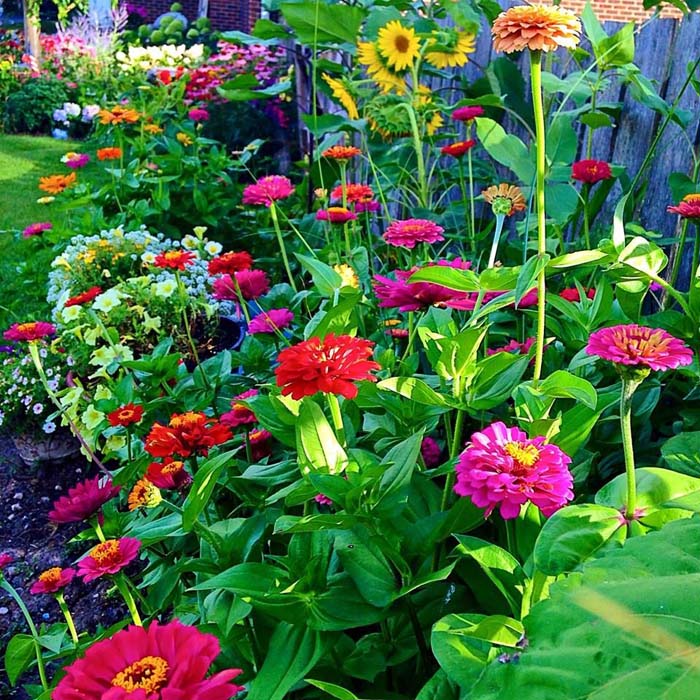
(455, 47)
(91, 418)
(144, 495)
(398, 44)
(183, 138)
(535, 27)
(347, 275)
(45, 200)
(152, 129)
(368, 55)
(70, 313)
(343, 95)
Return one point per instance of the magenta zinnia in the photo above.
(163, 662)
(268, 190)
(37, 229)
(591, 171)
(409, 232)
(250, 283)
(467, 114)
(639, 346)
(34, 330)
(108, 557)
(503, 467)
(270, 321)
(83, 501)
(52, 580)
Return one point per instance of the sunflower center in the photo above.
(51, 576)
(149, 673)
(401, 43)
(524, 455)
(105, 551)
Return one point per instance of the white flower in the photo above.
(108, 300)
(189, 242)
(164, 289)
(71, 109)
(213, 248)
(92, 417)
(148, 258)
(70, 313)
(49, 427)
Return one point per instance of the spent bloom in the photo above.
(591, 171)
(83, 501)
(270, 321)
(125, 415)
(409, 232)
(331, 365)
(504, 199)
(108, 557)
(688, 207)
(535, 27)
(33, 330)
(639, 346)
(503, 468)
(186, 434)
(37, 229)
(267, 190)
(144, 494)
(163, 662)
(52, 580)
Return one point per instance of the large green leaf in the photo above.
(682, 453)
(18, 656)
(627, 627)
(205, 481)
(505, 148)
(317, 22)
(317, 445)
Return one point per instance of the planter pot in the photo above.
(34, 449)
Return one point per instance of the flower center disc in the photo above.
(149, 673)
(51, 576)
(105, 551)
(401, 43)
(524, 455)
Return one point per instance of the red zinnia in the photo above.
(467, 114)
(163, 662)
(37, 229)
(411, 231)
(639, 346)
(331, 365)
(84, 297)
(52, 580)
(174, 259)
(251, 283)
(688, 207)
(572, 294)
(336, 215)
(186, 434)
(231, 262)
(34, 330)
(260, 444)
(108, 557)
(240, 414)
(268, 190)
(168, 475)
(591, 171)
(458, 149)
(83, 500)
(125, 415)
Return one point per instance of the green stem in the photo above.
(280, 242)
(696, 255)
(337, 417)
(420, 160)
(472, 217)
(536, 82)
(188, 331)
(585, 193)
(69, 618)
(123, 586)
(500, 220)
(253, 640)
(463, 190)
(629, 386)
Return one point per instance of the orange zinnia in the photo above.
(55, 184)
(508, 195)
(118, 115)
(535, 27)
(109, 153)
(341, 152)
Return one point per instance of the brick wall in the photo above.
(224, 14)
(619, 10)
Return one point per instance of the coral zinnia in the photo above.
(267, 190)
(55, 184)
(230, 262)
(32, 330)
(163, 662)
(504, 199)
(409, 232)
(591, 171)
(354, 193)
(84, 297)
(168, 475)
(83, 500)
(251, 284)
(398, 44)
(451, 49)
(639, 346)
(144, 494)
(468, 113)
(270, 321)
(109, 153)
(174, 259)
(336, 215)
(341, 91)
(503, 467)
(108, 557)
(458, 149)
(186, 434)
(52, 580)
(535, 27)
(240, 414)
(37, 229)
(332, 365)
(341, 152)
(688, 207)
(125, 415)
(118, 115)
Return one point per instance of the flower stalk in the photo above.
(67, 615)
(280, 242)
(629, 386)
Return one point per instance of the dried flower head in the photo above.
(504, 199)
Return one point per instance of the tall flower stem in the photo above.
(280, 242)
(337, 417)
(629, 386)
(344, 190)
(420, 159)
(500, 220)
(472, 217)
(696, 254)
(123, 586)
(69, 618)
(9, 588)
(585, 194)
(540, 139)
(463, 190)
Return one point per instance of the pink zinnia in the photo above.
(240, 414)
(591, 171)
(37, 229)
(260, 444)
(5, 559)
(52, 580)
(108, 557)
(688, 207)
(639, 346)
(323, 500)
(75, 161)
(83, 501)
(163, 662)
(503, 467)
(268, 190)
(33, 330)
(431, 452)
(197, 114)
(336, 215)
(409, 232)
(252, 284)
(270, 321)
(467, 114)
(514, 347)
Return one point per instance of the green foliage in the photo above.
(30, 108)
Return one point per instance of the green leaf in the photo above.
(505, 148)
(618, 49)
(335, 691)
(18, 655)
(315, 22)
(643, 256)
(564, 385)
(575, 534)
(325, 278)
(415, 389)
(496, 378)
(317, 445)
(250, 579)
(682, 453)
(205, 481)
(292, 653)
(528, 275)
(618, 234)
(594, 29)
(627, 626)
(577, 259)
(450, 277)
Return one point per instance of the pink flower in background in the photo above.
(240, 414)
(197, 114)
(336, 215)
(572, 294)
(323, 500)
(270, 321)
(409, 232)
(467, 114)
(591, 171)
(267, 190)
(503, 468)
(514, 347)
(37, 229)
(75, 161)
(431, 452)
(251, 283)
(639, 346)
(83, 501)
(32, 330)
(260, 444)
(5, 559)
(688, 207)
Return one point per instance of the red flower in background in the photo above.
(84, 297)
(163, 662)
(52, 580)
(572, 294)
(332, 365)
(168, 475)
(231, 262)
(109, 153)
(341, 152)
(83, 501)
(174, 259)
(458, 149)
(591, 171)
(186, 434)
(5, 559)
(125, 415)
(108, 557)
(260, 444)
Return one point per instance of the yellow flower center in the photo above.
(51, 576)
(105, 551)
(692, 198)
(524, 455)
(174, 467)
(186, 419)
(149, 673)
(26, 327)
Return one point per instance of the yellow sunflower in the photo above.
(453, 51)
(398, 44)
(368, 55)
(429, 111)
(342, 94)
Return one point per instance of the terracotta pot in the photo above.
(34, 449)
